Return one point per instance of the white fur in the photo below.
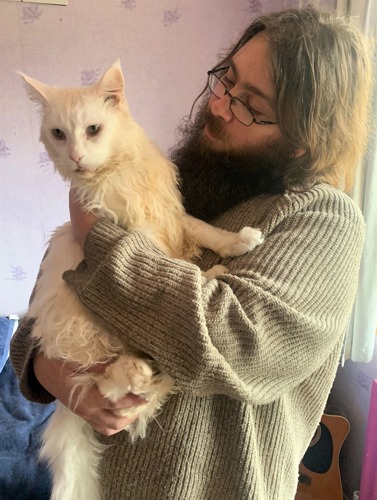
(117, 173)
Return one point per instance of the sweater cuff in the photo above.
(23, 349)
(101, 238)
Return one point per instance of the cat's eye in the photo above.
(58, 134)
(93, 129)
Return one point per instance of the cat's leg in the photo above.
(73, 453)
(224, 243)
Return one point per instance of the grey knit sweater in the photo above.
(253, 352)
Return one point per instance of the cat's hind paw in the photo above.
(244, 241)
(128, 374)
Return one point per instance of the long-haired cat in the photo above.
(118, 173)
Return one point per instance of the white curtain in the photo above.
(361, 335)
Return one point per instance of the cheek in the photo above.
(255, 135)
(239, 136)
(97, 151)
(57, 150)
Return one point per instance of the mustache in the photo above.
(214, 124)
(203, 118)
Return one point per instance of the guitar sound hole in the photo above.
(318, 457)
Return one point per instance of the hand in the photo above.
(82, 222)
(54, 375)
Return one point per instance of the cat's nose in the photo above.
(76, 158)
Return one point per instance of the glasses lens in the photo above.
(216, 85)
(241, 112)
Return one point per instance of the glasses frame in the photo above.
(213, 72)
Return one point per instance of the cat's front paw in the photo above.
(215, 271)
(243, 241)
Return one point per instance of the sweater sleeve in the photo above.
(251, 334)
(22, 350)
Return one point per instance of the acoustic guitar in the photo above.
(319, 474)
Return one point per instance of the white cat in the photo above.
(117, 173)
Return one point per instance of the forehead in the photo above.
(73, 108)
(253, 66)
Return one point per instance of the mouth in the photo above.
(215, 137)
(83, 172)
(214, 129)
(210, 134)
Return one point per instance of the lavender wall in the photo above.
(165, 47)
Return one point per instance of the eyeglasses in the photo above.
(239, 109)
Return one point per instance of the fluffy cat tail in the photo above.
(73, 454)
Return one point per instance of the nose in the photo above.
(220, 107)
(76, 157)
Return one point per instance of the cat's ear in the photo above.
(37, 91)
(111, 85)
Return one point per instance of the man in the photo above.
(254, 352)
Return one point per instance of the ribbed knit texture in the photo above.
(253, 352)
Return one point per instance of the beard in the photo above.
(213, 181)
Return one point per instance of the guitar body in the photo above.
(319, 475)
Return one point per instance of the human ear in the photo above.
(297, 153)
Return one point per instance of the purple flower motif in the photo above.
(255, 5)
(17, 273)
(31, 13)
(128, 4)
(89, 77)
(44, 160)
(4, 151)
(170, 17)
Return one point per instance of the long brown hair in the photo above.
(323, 72)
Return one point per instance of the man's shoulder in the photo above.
(268, 211)
(321, 198)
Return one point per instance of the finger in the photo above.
(106, 432)
(109, 418)
(98, 367)
(71, 197)
(110, 424)
(128, 401)
(82, 221)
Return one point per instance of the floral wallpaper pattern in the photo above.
(90, 76)
(31, 13)
(165, 48)
(4, 151)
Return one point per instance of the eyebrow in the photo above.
(253, 88)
